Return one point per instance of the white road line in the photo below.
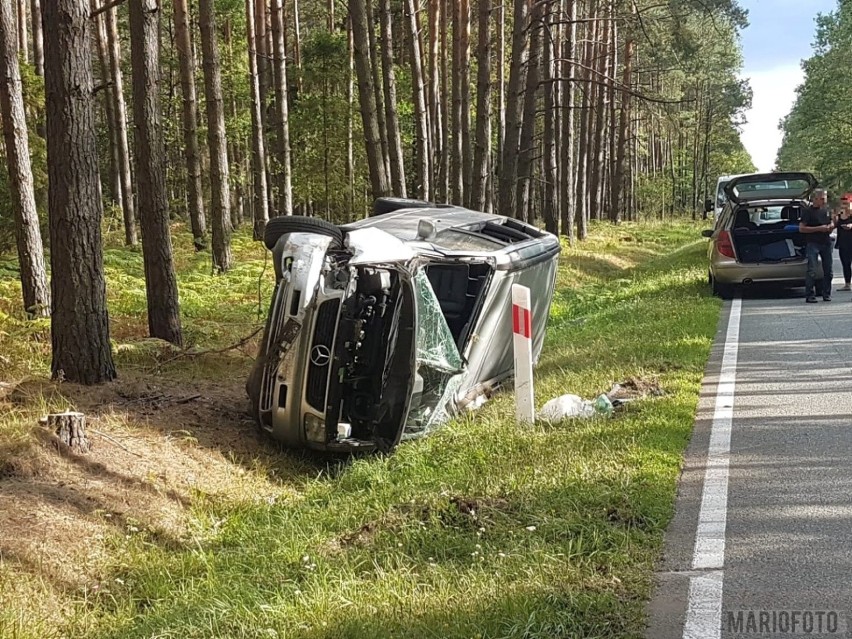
(704, 614)
(704, 608)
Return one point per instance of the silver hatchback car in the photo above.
(380, 330)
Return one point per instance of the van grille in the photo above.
(276, 323)
(321, 354)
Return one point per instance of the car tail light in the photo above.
(724, 245)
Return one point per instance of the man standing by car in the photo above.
(816, 224)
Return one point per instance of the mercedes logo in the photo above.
(320, 355)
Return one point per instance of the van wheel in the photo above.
(279, 226)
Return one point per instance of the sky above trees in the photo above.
(778, 38)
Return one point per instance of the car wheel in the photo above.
(390, 204)
(279, 226)
(725, 291)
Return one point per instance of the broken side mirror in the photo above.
(425, 230)
(708, 206)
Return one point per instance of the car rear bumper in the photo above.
(782, 273)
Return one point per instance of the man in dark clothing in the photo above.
(816, 224)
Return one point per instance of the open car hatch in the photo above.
(770, 186)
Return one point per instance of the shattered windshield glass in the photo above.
(439, 363)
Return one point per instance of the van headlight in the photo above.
(315, 428)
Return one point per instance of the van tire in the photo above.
(280, 226)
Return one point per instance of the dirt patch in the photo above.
(156, 446)
(636, 388)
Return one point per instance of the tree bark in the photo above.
(220, 183)
(282, 112)
(375, 66)
(23, 44)
(79, 321)
(527, 140)
(456, 150)
(514, 101)
(38, 40)
(444, 97)
(396, 157)
(186, 60)
(258, 151)
(464, 77)
(367, 94)
(160, 281)
(482, 148)
(624, 120)
(601, 107)
(566, 181)
(36, 294)
(436, 144)
(550, 203)
(109, 108)
(70, 429)
(421, 113)
(581, 195)
(123, 146)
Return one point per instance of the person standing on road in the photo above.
(843, 222)
(816, 224)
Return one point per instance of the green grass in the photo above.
(482, 530)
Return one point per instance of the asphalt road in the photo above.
(761, 542)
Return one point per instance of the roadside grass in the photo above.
(482, 530)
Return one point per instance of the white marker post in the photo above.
(522, 335)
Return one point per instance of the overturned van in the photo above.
(379, 331)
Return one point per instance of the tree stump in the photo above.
(70, 428)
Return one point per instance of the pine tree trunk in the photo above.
(282, 112)
(297, 49)
(619, 170)
(79, 321)
(350, 117)
(464, 81)
(123, 146)
(38, 40)
(550, 204)
(436, 143)
(258, 150)
(186, 59)
(421, 113)
(23, 44)
(523, 188)
(456, 152)
(375, 63)
(220, 182)
(160, 280)
(367, 94)
(444, 97)
(36, 294)
(482, 148)
(601, 106)
(581, 195)
(566, 181)
(501, 87)
(263, 66)
(396, 158)
(514, 102)
(109, 107)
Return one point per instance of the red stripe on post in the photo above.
(521, 321)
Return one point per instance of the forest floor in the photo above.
(185, 522)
